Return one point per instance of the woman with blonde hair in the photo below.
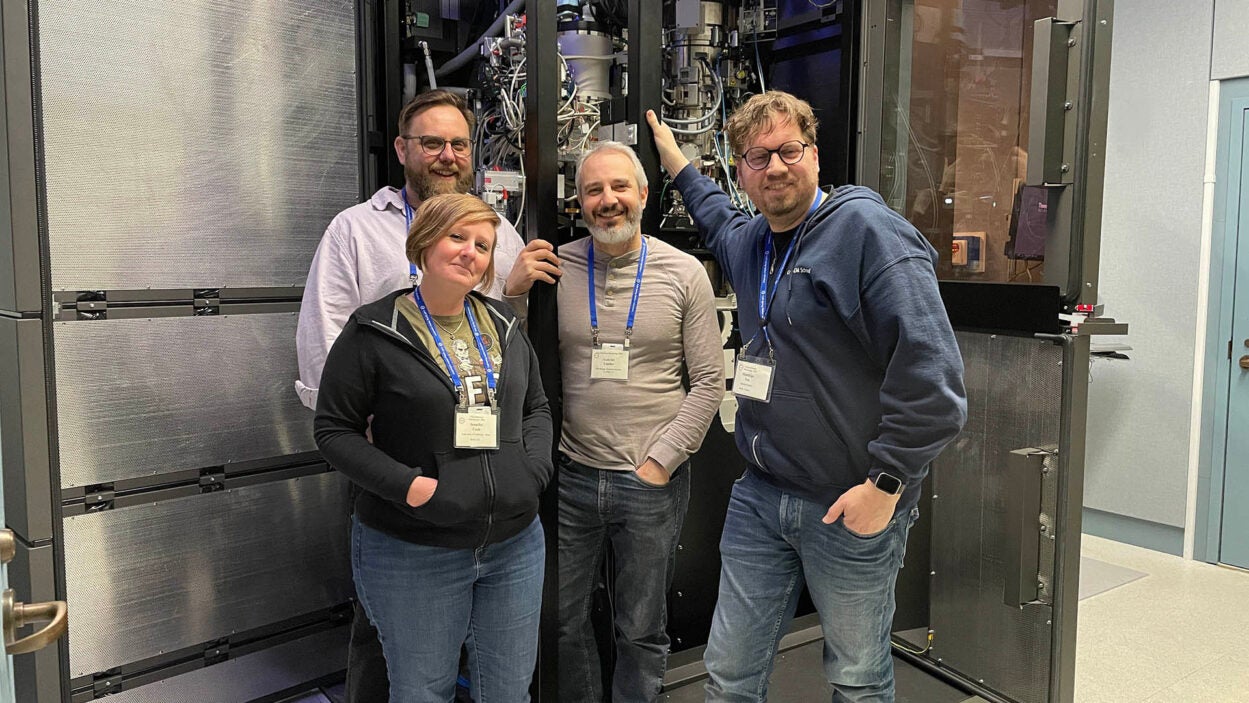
(446, 546)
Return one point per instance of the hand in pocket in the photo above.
(421, 490)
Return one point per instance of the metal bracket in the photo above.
(216, 652)
(212, 479)
(1052, 113)
(1025, 524)
(1100, 326)
(206, 302)
(623, 132)
(99, 498)
(106, 682)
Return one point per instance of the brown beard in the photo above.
(425, 186)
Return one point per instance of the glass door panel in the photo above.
(955, 133)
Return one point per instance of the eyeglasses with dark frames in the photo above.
(758, 158)
(433, 145)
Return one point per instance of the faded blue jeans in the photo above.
(427, 601)
(642, 523)
(772, 542)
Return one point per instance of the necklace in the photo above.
(451, 332)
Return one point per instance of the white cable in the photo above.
(697, 120)
(710, 114)
(429, 65)
(759, 67)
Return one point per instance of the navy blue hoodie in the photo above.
(868, 373)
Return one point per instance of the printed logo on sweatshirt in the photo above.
(800, 269)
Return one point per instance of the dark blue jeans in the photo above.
(642, 523)
(428, 601)
(773, 541)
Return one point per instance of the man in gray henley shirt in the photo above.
(629, 426)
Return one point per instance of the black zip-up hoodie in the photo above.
(379, 369)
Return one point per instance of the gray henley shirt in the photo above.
(617, 424)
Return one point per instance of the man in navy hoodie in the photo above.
(849, 384)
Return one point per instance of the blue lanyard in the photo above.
(768, 288)
(633, 306)
(446, 358)
(407, 215)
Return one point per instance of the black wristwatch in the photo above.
(889, 483)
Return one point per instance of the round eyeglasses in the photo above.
(758, 158)
(434, 145)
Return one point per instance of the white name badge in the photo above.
(610, 362)
(753, 378)
(476, 427)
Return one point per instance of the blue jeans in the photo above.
(427, 601)
(642, 523)
(772, 542)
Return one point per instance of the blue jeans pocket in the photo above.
(866, 538)
(647, 484)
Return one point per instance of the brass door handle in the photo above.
(1244, 362)
(18, 615)
(8, 546)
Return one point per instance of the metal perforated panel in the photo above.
(147, 396)
(204, 143)
(1014, 388)
(249, 677)
(151, 579)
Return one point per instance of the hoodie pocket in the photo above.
(798, 443)
(517, 482)
(461, 495)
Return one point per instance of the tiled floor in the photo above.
(1175, 636)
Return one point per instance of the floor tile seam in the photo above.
(1201, 672)
(1118, 692)
(1114, 589)
(1153, 697)
(1147, 566)
(1153, 559)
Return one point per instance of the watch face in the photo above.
(889, 483)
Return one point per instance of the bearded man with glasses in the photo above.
(849, 384)
(362, 257)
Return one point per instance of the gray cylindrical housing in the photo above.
(592, 74)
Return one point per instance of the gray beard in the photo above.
(613, 235)
(620, 233)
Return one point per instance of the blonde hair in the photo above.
(764, 112)
(437, 215)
